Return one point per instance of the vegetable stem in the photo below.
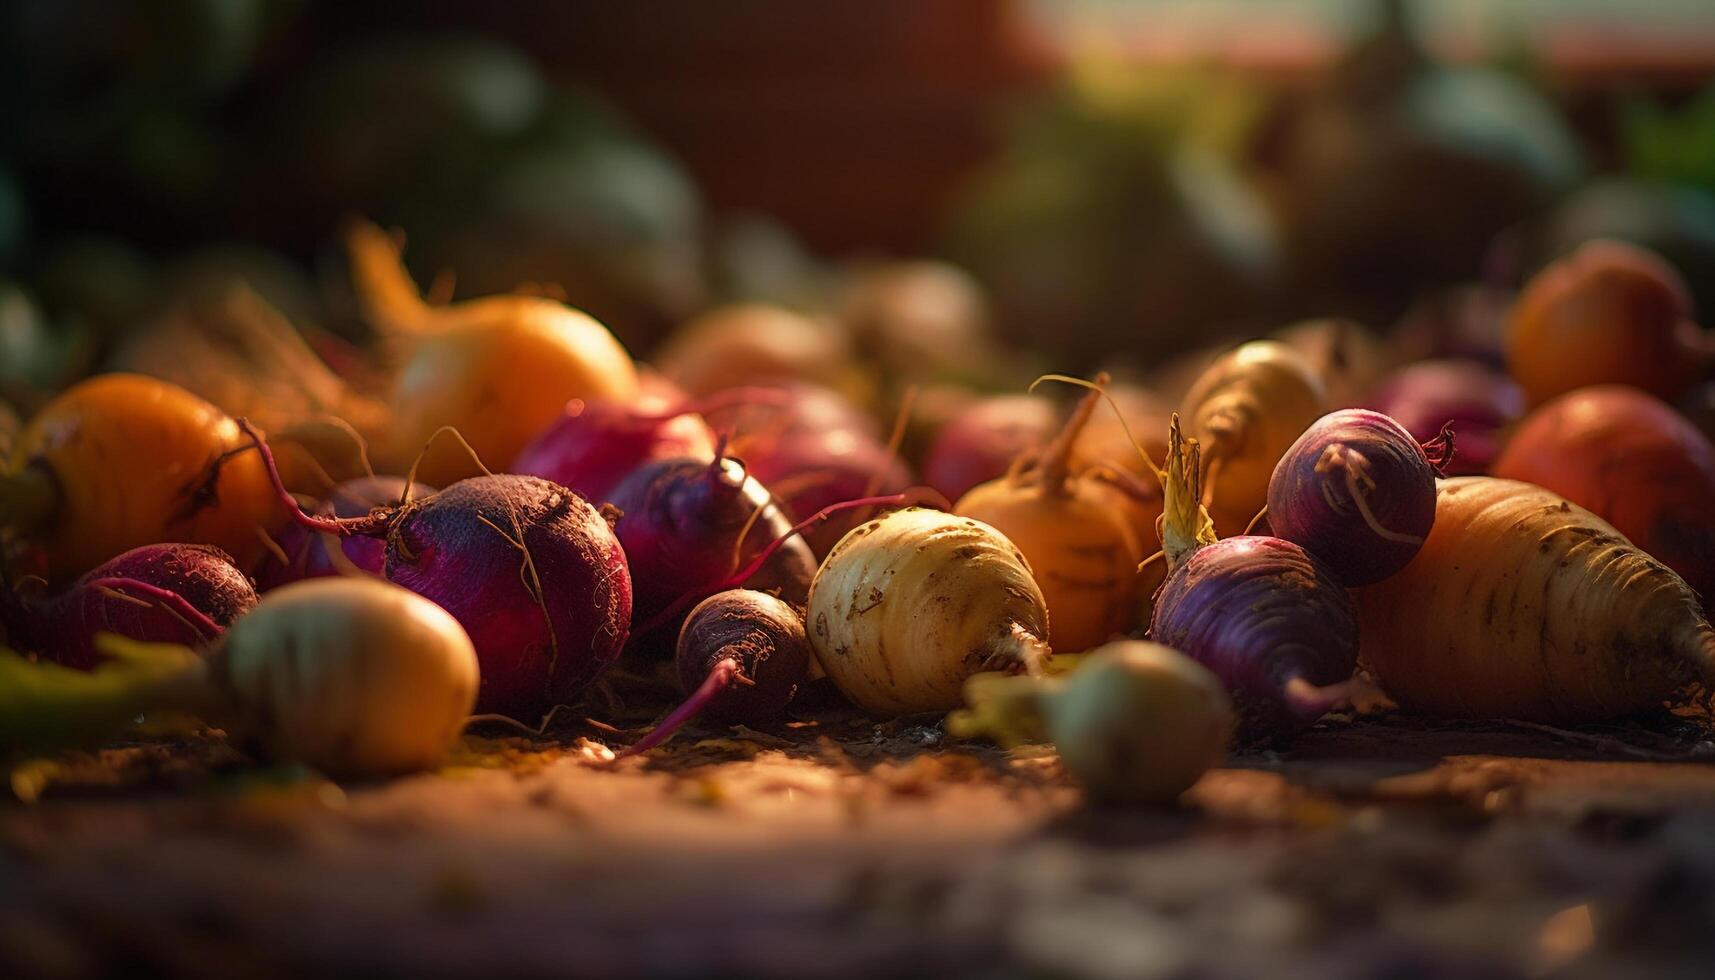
(29, 498)
(725, 673)
(372, 525)
(1185, 524)
(1019, 648)
(1057, 458)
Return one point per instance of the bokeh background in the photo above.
(1128, 179)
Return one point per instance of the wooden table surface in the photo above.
(1376, 847)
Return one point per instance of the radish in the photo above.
(1134, 722)
(910, 604)
(352, 676)
(1073, 530)
(1476, 402)
(1523, 605)
(531, 571)
(1262, 613)
(1632, 461)
(305, 552)
(119, 461)
(1246, 410)
(980, 443)
(741, 657)
(163, 593)
(1358, 492)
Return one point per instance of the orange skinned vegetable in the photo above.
(1609, 313)
(1246, 410)
(499, 369)
(121, 460)
(1523, 605)
(1074, 531)
(1632, 461)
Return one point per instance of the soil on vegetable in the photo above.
(1375, 846)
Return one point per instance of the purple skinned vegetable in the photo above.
(741, 658)
(1477, 402)
(1358, 492)
(1262, 613)
(531, 571)
(159, 593)
(306, 551)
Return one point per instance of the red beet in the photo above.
(1358, 492)
(1475, 400)
(598, 443)
(741, 658)
(306, 551)
(531, 571)
(159, 593)
(980, 443)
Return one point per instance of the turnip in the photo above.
(1264, 614)
(741, 657)
(119, 461)
(355, 677)
(1246, 409)
(1134, 722)
(531, 571)
(166, 593)
(304, 554)
(1474, 401)
(1358, 492)
(1523, 605)
(1073, 530)
(910, 604)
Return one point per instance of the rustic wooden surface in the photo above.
(1377, 847)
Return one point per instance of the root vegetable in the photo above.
(1246, 409)
(1632, 461)
(1475, 401)
(909, 605)
(1358, 492)
(741, 657)
(165, 593)
(1265, 615)
(354, 677)
(120, 461)
(1074, 532)
(1523, 605)
(597, 444)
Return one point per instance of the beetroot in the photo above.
(1475, 400)
(159, 593)
(597, 443)
(809, 471)
(687, 525)
(980, 443)
(306, 552)
(530, 570)
(1358, 492)
(741, 658)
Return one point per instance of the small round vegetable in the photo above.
(1523, 605)
(981, 442)
(686, 525)
(1264, 614)
(1139, 722)
(596, 444)
(1632, 461)
(161, 593)
(119, 461)
(1476, 402)
(1358, 492)
(352, 676)
(1609, 313)
(1246, 409)
(741, 657)
(307, 554)
(531, 571)
(499, 369)
(909, 605)
(751, 343)
(1073, 530)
